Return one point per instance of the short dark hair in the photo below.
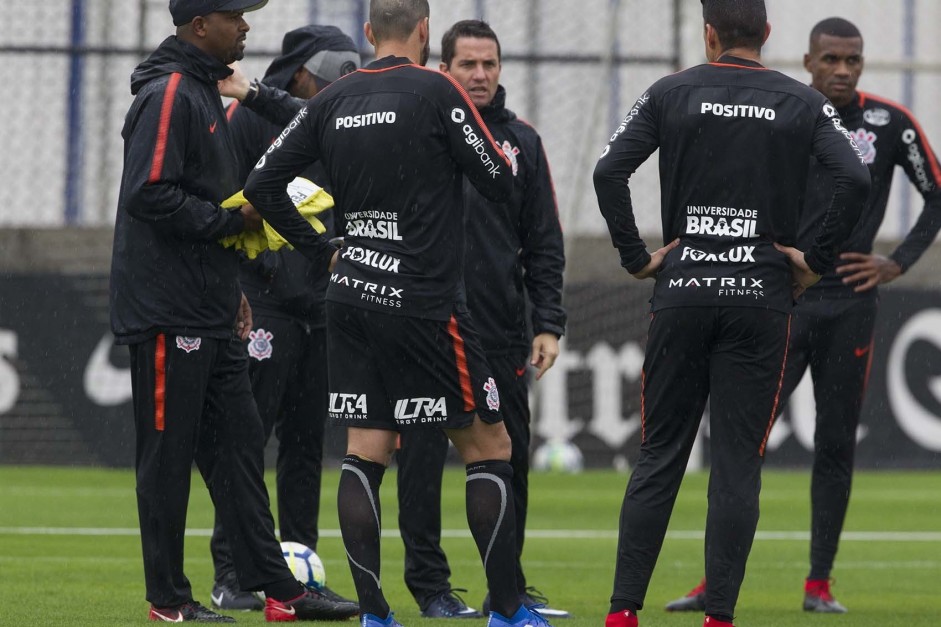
(396, 19)
(738, 23)
(834, 27)
(466, 28)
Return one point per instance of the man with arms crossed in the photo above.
(832, 329)
(175, 299)
(734, 139)
(395, 139)
(514, 251)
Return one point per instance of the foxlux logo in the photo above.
(365, 119)
(372, 258)
(410, 410)
(705, 225)
(739, 254)
(738, 111)
(348, 404)
(474, 141)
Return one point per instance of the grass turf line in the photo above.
(98, 580)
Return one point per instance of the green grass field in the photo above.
(70, 555)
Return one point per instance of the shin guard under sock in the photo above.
(360, 524)
(492, 522)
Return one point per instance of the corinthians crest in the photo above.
(866, 142)
(259, 344)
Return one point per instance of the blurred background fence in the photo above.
(570, 68)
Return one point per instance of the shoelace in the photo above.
(538, 620)
(453, 601)
(540, 599)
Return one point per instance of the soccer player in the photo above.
(396, 140)
(287, 347)
(734, 139)
(832, 329)
(514, 252)
(176, 303)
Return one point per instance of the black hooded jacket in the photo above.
(285, 283)
(514, 249)
(168, 271)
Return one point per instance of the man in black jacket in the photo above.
(734, 139)
(514, 250)
(395, 139)
(175, 301)
(287, 346)
(832, 332)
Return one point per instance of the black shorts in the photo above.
(396, 372)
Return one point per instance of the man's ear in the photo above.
(767, 33)
(424, 30)
(198, 26)
(367, 30)
(443, 67)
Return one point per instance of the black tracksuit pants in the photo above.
(832, 337)
(290, 389)
(193, 401)
(734, 357)
(421, 460)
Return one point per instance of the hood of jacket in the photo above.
(176, 55)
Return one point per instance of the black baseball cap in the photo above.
(326, 51)
(183, 11)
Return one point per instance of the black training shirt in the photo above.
(735, 140)
(395, 139)
(888, 135)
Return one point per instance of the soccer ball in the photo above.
(558, 456)
(304, 564)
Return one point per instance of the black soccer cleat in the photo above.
(694, 601)
(192, 612)
(333, 596)
(226, 595)
(449, 604)
(817, 598)
(312, 605)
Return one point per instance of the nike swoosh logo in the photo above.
(217, 599)
(104, 384)
(167, 619)
(212, 127)
(290, 611)
(521, 371)
(859, 352)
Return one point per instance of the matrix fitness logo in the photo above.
(259, 344)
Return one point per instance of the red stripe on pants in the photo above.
(461, 358)
(160, 381)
